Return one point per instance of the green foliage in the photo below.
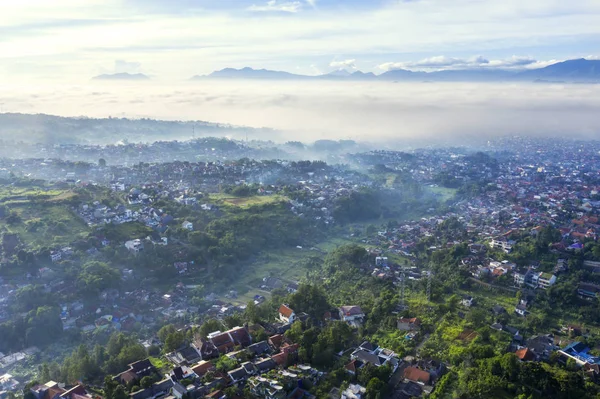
(225, 364)
(97, 276)
(310, 299)
(376, 388)
(357, 206)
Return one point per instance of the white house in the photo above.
(351, 314)
(135, 246)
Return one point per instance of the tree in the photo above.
(102, 162)
(375, 388)
(97, 276)
(209, 326)
(164, 332)
(225, 364)
(146, 382)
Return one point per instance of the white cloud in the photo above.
(343, 64)
(122, 66)
(324, 109)
(274, 5)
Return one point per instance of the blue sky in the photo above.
(72, 40)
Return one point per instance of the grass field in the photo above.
(231, 200)
(45, 220)
(45, 225)
(288, 265)
(442, 194)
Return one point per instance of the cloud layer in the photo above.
(377, 111)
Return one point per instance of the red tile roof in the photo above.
(285, 311)
(525, 355)
(202, 368)
(417, 375)
(415, 320)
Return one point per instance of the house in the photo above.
(206, 349)
(202, 368)
(135, 246)
(259, 348)
(417, 375)
(368, 353)
(354, 391)
(579, 352)
(188, 225)
(521, 309)
(467, 301)
(588, 291)
(541, 346)
(238, 375)
(286, 314)
(543, 280)
(55, 256)
(265, 365)
(498, 310)
(156, 390)
(136, 372)
(502, 244)
(185, 356)
(525, 355)
(409, 324)
(352, 315)
(276, 341)
(224, 342)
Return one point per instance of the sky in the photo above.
(70, 41)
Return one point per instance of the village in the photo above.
(518, 223)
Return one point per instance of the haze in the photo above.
(371, 111)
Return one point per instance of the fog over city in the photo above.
(367, 111)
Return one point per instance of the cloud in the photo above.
(442, 63)
(280, 6)
(381, 111)
(343, 64)
(122, 66)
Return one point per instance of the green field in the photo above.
(442, 194)
(44, 217)
(288, 265)
(230, 200)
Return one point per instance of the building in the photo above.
(351, 314)
(543, 280)
(406, 324)
(502, 244)
(136, 246)
(588, 291)
(188, 225)
(354, 391)
(287, 314)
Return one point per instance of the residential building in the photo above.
(287, 314)
(409, 324)
(354, 391)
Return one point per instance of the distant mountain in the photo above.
(340, 73)
(580, 70)
(249, 73)
(122, 76)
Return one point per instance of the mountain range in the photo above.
(575, 71)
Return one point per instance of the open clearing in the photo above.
(231, 200)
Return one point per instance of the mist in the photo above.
(311, 110)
